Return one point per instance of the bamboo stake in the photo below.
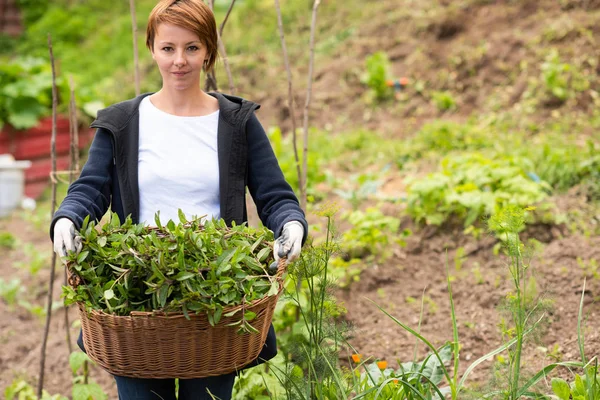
(290, 94)
(307, 103)
(53, 207)
(135, 47)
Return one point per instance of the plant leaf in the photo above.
(561, 389)
(109, 294)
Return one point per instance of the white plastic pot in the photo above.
(12, 183)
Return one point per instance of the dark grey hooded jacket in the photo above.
(246, 160)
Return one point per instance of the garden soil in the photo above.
(419, 49)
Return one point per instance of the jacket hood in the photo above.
(232, 109)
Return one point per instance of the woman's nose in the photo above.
(180, 58)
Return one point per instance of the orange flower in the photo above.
(356, 358)
(395, 381)
(382, 364)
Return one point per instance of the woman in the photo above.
(182, 148)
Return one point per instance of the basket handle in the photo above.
(280, 266)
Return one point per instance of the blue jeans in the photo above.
(189, 389)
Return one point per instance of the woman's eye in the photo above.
(167, 48)
(193, 48)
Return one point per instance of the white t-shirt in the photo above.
(178, 166)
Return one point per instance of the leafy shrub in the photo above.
(561, 80)
(584, 387)
(371, 233)
(564, 165)
(32, 10)
(21, 390)
(471, 186)
(25, 91)
(7, 240)
(9, 291)
(444, 101)
(445, 136)
(412, 380)
(377, 75)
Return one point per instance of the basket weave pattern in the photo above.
(157, 346)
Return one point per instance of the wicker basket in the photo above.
(150, 345)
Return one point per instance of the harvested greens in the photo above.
(191, 267)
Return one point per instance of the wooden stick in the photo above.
(211, 79)
(290, 94)
(73, 168)
(226, 18)
(135, 47)
(307, 103)
(221, 45)
(211, 82)
(75, 143)
(53, 207)
(226, 64)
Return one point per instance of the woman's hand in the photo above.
(65, 238)
(288, 245)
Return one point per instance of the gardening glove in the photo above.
(65, 237)
(288, 245)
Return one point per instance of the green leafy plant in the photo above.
(10, 290)
(443, 100)
(258, 383)
(25, 91)
(584, 387)
(555, 76)
(561, 80)
(566, 164)
(525, 312)
(377, 75)
(21, 390)
(372, 233)
(412, 380)
(445, 136)
(192, 266)
(311, 367)
(82, 388)
(37, 259)
(471, 186)
(7, 241)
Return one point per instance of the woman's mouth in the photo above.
(179, 73)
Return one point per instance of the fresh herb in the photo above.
(192, 266)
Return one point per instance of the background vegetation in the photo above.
(491, 140)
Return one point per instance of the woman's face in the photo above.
(179, 55)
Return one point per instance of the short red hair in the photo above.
(192, 15)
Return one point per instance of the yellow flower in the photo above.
(382, 364)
